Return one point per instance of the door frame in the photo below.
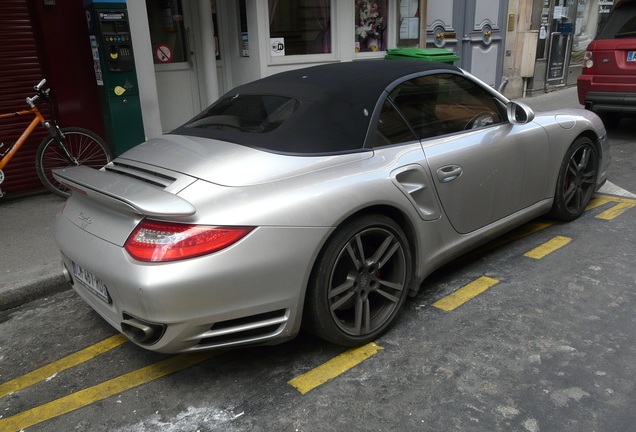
(486, 35)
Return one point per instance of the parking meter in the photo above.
(114, 64)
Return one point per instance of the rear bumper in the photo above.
(251, 293)
(605, 96)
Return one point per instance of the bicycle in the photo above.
(62, 148)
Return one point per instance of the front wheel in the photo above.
(359, 283)
(577, 180)
(85, 148)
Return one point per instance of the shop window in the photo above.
(408, 23)
(587, 17)
(167, 31)
(299, 27)
(371, 18)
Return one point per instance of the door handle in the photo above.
(449, 173)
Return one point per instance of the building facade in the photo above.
(546, 41)
(198, 50)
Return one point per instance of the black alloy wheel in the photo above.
(576, 181)
(360, 282)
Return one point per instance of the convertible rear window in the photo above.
(246, 113)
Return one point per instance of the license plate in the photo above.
(631, 56)
(91, 282)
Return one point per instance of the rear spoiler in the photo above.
(123, 192)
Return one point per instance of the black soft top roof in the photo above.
(336, 104)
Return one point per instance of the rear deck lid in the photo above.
(229, 164)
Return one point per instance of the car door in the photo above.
(483, 167)
(395, 141)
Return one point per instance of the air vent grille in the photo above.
(141, 174)
(246, 329)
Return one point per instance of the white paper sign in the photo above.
(408, 8)
(410, 28)
(277, 46)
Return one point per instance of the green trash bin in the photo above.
(439, 55)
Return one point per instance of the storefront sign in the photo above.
(557, 63)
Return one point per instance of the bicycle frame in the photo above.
(57, 137)
(38, 119)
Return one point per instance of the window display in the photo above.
(370, 25)
(299, 27)
(167, 32)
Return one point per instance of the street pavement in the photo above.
(30, 263)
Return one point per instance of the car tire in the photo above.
(359, 283)
(577, 180)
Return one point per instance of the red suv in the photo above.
(608, 83)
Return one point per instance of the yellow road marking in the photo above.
(597, 202)
(60, 365)
(615, 211)
(526, 229)
(101, 391)
(515, 234)
(614, 198)
(466, 293)
(548, 247)
(334, 367)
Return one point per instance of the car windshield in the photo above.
(621, 24)
(246, 113)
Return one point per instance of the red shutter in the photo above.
(20, 69)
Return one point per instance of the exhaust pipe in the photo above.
(67, 274)
(141, 332)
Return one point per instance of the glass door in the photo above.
(174, 58)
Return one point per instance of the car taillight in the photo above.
(588, 60)
(156, 241)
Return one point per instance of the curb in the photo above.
(35, 288)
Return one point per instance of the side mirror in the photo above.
(519, 113)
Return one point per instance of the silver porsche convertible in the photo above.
(318, 198)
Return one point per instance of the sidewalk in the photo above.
(30, 263)
(563, 98)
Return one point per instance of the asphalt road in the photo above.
(548, 345)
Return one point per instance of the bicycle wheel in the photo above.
(86, 147)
